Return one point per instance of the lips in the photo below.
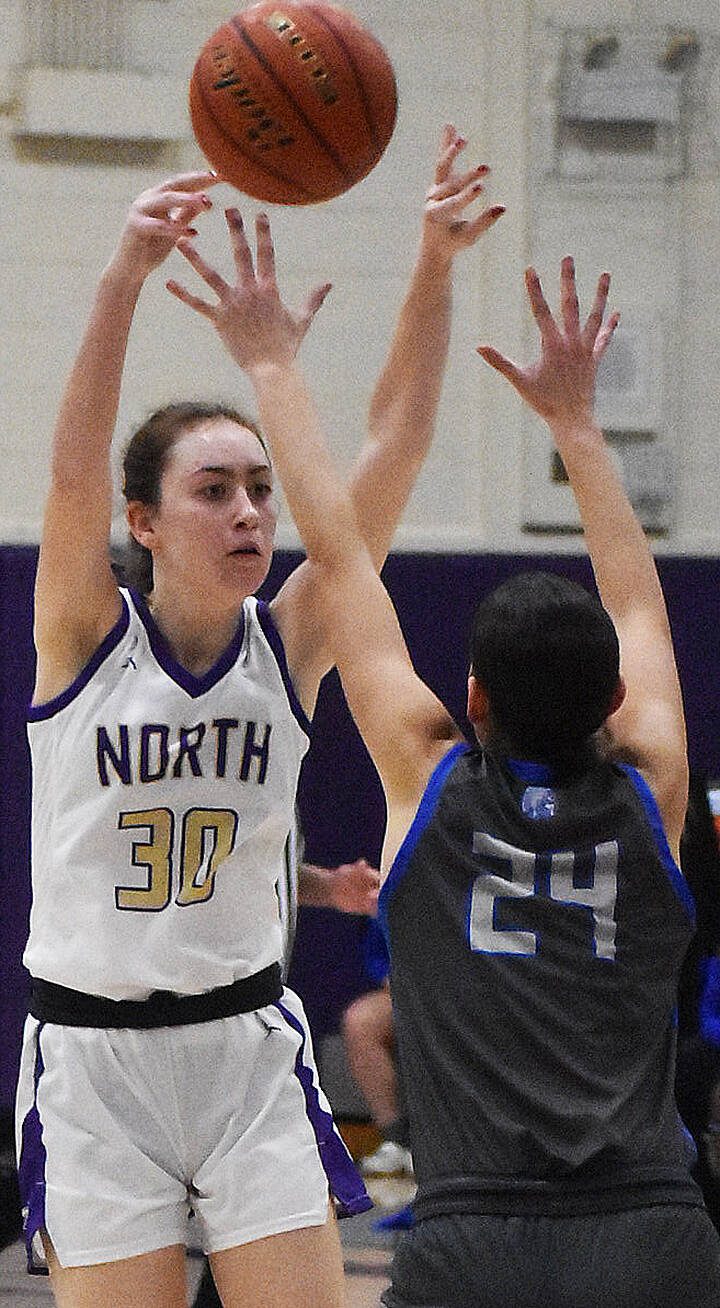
(246, 549)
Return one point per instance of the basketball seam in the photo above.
(358, 80)
(268, 68)
(277, 173)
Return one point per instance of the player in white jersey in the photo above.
(164, 1064)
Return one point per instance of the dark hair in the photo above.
(145, 460)
(548, 656)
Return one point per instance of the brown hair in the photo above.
(145, 460)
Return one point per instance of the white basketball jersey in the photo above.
(162, 803)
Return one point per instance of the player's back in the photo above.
(537, 924)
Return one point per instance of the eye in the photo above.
(261, 489)
(215, 490)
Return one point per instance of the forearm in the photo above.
(88, 410)
(622, 561)
(316, 886)
(410, 382)
(404, 404)
(318, 500)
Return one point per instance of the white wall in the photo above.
(491, 67)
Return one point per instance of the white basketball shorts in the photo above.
(120, 1133)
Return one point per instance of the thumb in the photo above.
(314, 301)
(501, 364)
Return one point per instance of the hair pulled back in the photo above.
(146, 457)
(547, 654)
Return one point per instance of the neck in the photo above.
(196, 636)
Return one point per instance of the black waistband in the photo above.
(59, 1004)
(570, 1198)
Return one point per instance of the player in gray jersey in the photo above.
(535, 911)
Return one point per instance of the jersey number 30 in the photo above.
(206, 837)
(586, 879)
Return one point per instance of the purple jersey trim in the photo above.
(344, 1181)
(192, 685)
(274, 640)
(426, 808)
(31, 1170)
(37, 712)
(649, 803)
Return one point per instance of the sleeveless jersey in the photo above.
(162, 803)
(536, 927)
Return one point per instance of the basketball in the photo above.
(293, 101)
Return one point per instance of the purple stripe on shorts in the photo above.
(31, 1172)
(345, 1182)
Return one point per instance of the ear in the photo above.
(140, 519)
(478, 704)
(618, 696)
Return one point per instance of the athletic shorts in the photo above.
(661, 1257)
(121, 1133)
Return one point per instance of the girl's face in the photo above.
(214, 527)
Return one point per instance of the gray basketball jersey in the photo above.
(536, 926)
(162, 804)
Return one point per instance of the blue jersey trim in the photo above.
(677, 880)
(709, 1005)
(535, 774)
(274, 640)
(192, 685)
(426, 808)
(38, 712)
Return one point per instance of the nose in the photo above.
(246, 513)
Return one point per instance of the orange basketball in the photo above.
(293, 101)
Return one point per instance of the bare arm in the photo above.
(649, 727)
(404, 403)
(349, 888)
(405, 399)
(404, 725)
(76, 599)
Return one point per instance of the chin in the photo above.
(248, 571)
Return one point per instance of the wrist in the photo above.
(576, 427)
(270, 371)
(434, 258)
(121, 281)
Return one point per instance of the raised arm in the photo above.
(76, 598)
(649, 727)
(404, 726)
(404, 402)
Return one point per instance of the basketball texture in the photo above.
(293, 101)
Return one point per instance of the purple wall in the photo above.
(340, 801)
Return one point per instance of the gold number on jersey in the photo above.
(155, 856)
(207, 837)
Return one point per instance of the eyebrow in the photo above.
(228, 470)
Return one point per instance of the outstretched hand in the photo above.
(449, 225)
(249, 316)
(560, 386)
(159, 218)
